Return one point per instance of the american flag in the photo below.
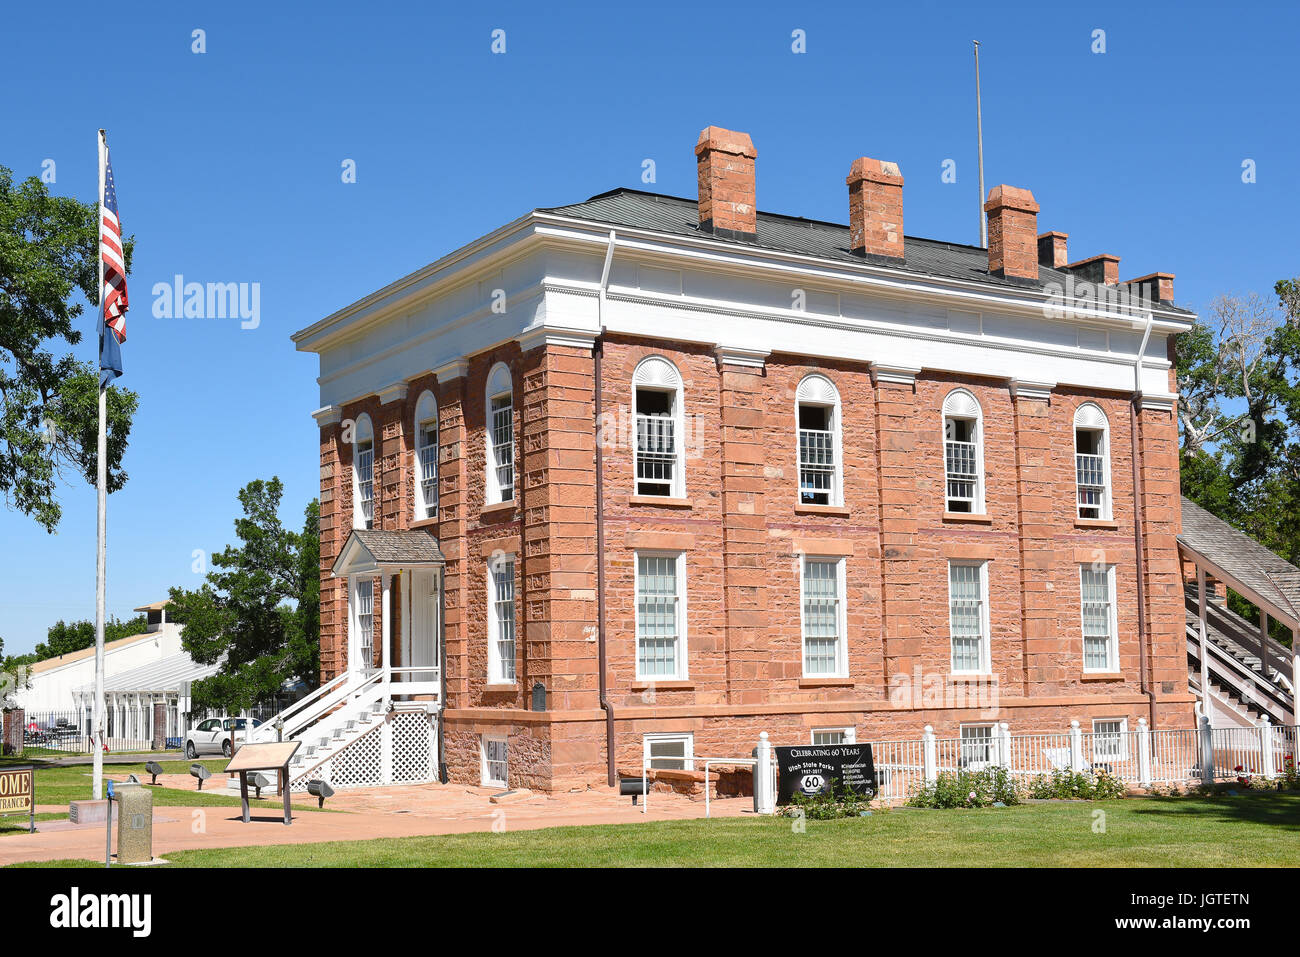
(113, 295)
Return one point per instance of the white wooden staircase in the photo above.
(356, 733)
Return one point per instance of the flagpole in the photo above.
(101, 485)
(979, 133)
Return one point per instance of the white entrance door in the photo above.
(422, 637)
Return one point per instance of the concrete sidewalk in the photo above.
(409, 811)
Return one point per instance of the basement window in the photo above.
(495, 767)
(670, 752)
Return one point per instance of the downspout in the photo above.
(602, 656)
(1138, 499)
(443, 777)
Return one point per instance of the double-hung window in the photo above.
(500, 436)
(363, 473)
(426, 457)
(823, 618)
(817, 406)
(363, 599)
(658, 419)
(501, 621)
(1108, 739)
(1092, 462)
(963, 453)
(976, 746)
(968, 616)
(660, 616)
(1097, 593)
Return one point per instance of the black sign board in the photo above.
(810, 770)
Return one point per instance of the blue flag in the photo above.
(110, 357)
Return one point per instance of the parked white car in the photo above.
(213, 735)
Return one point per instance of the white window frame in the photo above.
(425, 501)
(848, 735)
(817, 391)
(360, 662)
(841, 616)
(1112, 644)
(985, 650)
(686, 738)
(1122, 751)
(500, 670)
(485, 775)
(981, 742)
(962, 404)
(1090, 417)
(363, 430)
(681, 671)
(499, 384)
(658, 374)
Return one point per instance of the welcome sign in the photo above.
(17, 791)
(812, 770)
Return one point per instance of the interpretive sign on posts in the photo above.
(18, 793)
(813, 769)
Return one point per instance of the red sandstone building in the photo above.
(644, 476)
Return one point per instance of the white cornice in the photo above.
(1025, 389)
(740, 356)
(513, 239)
(329, 415)
(902, 375)
(393, 393)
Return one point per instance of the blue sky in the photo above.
(228, 165)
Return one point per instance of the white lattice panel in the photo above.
(359, 764)
(413, 744)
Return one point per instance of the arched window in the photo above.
(500, 436)
(660, 453)
(963, 452)
(1092, 462)
(363, 473)
(426, 457)
(817, 411)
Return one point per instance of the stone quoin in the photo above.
(851, 482)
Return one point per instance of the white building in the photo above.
(139, 671)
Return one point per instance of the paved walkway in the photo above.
(406, 811)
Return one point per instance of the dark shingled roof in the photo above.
(1272, 576)
(928, 257)
(399, 547)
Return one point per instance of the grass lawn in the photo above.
(59, 784)
(1258, 830)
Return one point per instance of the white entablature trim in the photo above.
(1025, 389)
(902, 375)
(555, 336)
(451, 371)
(739, 356)
(1157, 402)
(393, 393)
(329, 415)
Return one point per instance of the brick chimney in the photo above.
(875, 208)
(1051, 249)
(1158, 286)
(1013, 232)
(1103, 269)
(726, 174)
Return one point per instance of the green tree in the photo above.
(49, 400)
(63, 638)
(258, 613)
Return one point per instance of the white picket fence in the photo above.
(1141, 757)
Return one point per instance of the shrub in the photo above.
(1086, 785)
(838, 802)
(967, 789)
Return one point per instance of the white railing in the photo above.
(1140, 757)
(656, 452)
(297, 718)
